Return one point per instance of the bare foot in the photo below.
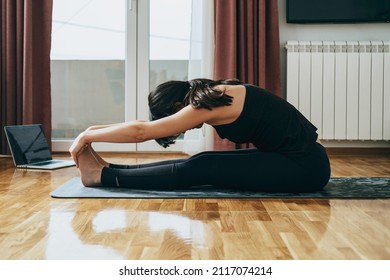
(90, 169)
(98, 158)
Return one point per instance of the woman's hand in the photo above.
(77, 147)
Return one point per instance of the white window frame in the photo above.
(143, 71)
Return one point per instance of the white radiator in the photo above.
(343, 88)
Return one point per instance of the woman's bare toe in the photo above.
(90, 169)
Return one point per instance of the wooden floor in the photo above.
(36, 226)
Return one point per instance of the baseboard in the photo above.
(355, 144)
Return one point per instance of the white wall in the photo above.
(325, 32)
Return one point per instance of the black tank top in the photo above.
(271, 124)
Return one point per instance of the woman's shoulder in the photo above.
(227, 114)
(241, 87)
(225, 87)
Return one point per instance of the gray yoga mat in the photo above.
(341, 187)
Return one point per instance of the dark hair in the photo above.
(170, 96)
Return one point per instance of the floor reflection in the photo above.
(64, 243)
(188, 230)
(109, 220)
(122, 234)
(269, 229)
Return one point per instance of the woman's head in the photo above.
(165, 99)
(171, 96)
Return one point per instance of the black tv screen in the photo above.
(337, 11)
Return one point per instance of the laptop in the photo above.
(30, 149)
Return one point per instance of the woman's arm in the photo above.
(93, 127)
(101, 133)
(140, 131)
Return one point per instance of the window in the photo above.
(107, 55)
(88, 65)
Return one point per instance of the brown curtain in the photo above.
(25, 44)
(247, 46)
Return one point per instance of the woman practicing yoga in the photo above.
(288, 156)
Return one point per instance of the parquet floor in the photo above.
(36, 226)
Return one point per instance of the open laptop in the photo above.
(30, 149)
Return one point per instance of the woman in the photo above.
(288, 156)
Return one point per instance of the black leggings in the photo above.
(246, 169)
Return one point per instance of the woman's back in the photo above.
(267, 121)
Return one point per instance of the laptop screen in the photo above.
(28, 144)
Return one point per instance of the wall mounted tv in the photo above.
(337, 11)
